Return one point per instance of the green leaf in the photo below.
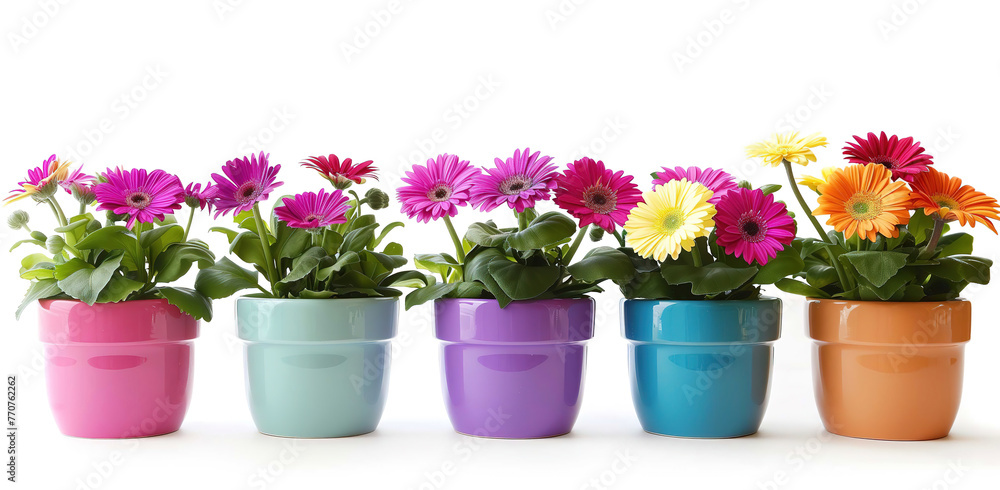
(486, 234)
(385, 231)
(770, 188)
(920, 225)
(390, 262)
(86, 283)
(342, 261)
(111, 239)
(800, 288)
(963, 268)
(785, 264)
(820, 275)
(429, 293)
(521, 281)
(603, 263)
(158, 239)
(248, 248)
(289, 242)
(477, 268)
(45, 288)
(230, 234)
(955, 244)
(359, 239)
(305, 264)
(62, 271)
(22, 242)
(189, 301)
(178, 258)
(713, 278)
(406, 279)
(118, 289)
(224, 278)
(876, 267)
(548, 229)
(436, 263)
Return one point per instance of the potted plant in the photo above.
(700, 332)
(317, 331)
(118, 337)
(884, 286)
(512, 309)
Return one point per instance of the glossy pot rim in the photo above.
(701, 321)
(71, 321)
(536, 321)
(300, 320)
(889, 323)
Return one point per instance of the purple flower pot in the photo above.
(515, 372)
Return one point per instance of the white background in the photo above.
(187, 85)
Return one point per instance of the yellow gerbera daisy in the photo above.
(787, 146)
(863, 200)
(814, 182)
(668, 220)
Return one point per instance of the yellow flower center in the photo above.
(946, 201)
(864, 206)
(672, 220)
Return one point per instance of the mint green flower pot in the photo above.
(316, 367)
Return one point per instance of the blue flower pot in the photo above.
(317, 367)
(701, 368)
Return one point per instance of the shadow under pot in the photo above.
(515, 372)
(117, 370)
(316, 368)
(701, 369)
(888, 370)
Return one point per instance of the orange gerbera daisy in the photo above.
(938, 193)
(863, 200)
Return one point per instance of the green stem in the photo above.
(522, 220)
(696, 255)
(845, 281)
(272, 276)
(928, 251)
(83, 208)
(188, 227)
(621, 239)
(59, 211)
(568, 258)
(459, 249)
(140, 256)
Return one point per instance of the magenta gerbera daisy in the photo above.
(438, 188)
(42, 181)
(195, 196)
(143, 196)
(341, 174)
(717, 181)
(904, 157)
(76, 178)
(749, 224)
(519, 181)
(313, 210)
(247, 182)
(596, 195)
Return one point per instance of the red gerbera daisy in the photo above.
(341, 174)
(904, 157)
(595, 194)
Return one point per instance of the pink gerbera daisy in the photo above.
(595, 195)
(520, 181)
(751, 225)
(247, 182)
(146, 197)
(76, 178)
(717, 181)
(195, 196)
(904, 157)
(438, 188)
(42, 181)
(312, 210)
(341, 174)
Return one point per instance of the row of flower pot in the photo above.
(320, 368)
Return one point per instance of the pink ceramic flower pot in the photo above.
(117, 370)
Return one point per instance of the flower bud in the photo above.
(45, 190)
(596, 233)
(377, 199)
(55, 244)
(93, 226)
(37, 235)
(84, 193)
(743, 184)
(18, 219)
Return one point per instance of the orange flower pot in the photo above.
(886, 370)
